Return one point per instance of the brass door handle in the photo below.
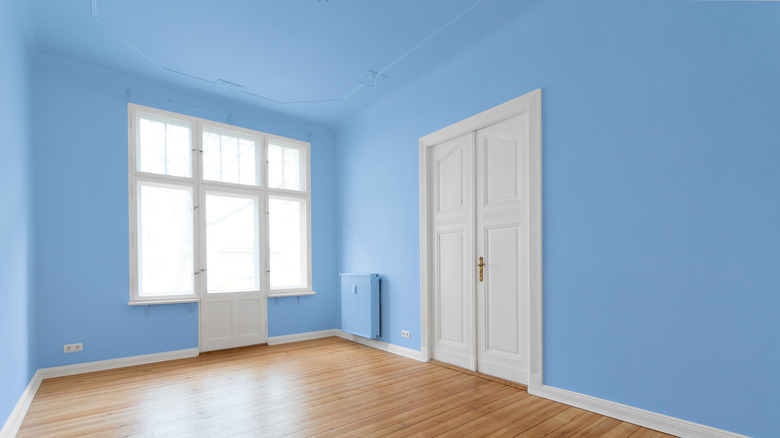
(481, 264)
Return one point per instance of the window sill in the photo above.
(296, 293)
(151, 302)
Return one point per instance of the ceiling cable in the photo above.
(369, 79)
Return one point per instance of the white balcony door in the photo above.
(232, 298)
(479, 207)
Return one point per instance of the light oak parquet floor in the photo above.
(326, 388)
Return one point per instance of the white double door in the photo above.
(480, 212)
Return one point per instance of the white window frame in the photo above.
(199, 186)
(304, 194)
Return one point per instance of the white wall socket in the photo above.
(72, 348)
(405, 333)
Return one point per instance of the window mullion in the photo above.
(165, 147)
(221, 164)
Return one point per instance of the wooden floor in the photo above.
(326, 387)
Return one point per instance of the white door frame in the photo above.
(530, 103)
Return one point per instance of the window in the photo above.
(285, 163)
(215, 209)
(232, 242)
(164, 147)
(287, 244)
(230, 158)
(166, 249)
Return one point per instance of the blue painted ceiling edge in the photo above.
(318, 60)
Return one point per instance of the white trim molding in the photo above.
(373, 343)
(630, 414)
(297, 337)
(101, 365)
(14, 422)
(384, 346)
(641, 417)
(290, 294)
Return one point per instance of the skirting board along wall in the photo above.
(384, 346)
(14, 422)
(622, 412)
(276, 340)
(652, 420)
(630, 414)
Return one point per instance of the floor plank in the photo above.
(555, 422)
(326, 387)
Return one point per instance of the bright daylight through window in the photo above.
(215, 209)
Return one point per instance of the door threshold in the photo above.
(234, 349)
(481, 375)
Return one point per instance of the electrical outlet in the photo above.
(72, 348)
(405, 333)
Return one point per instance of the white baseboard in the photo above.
(651, 420)
(17, 416)
(14, 422)
(297, 337)
(100, 365)
(384, 346)
(425, 354)
(534, 382)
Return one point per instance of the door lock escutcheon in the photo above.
(481, 264)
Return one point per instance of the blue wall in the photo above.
(661, 181)
(661, 185)
(81, 217)
(17, 359)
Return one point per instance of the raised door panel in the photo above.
(219, 317)
(450, 288)
(249, 316)
(502, 302)
(449, 180)
(502, 169)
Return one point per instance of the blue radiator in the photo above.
(360, 304)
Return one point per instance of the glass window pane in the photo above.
(164, 148)
(285, 167)
(275, 166)
(232, 243)
(151, 153)
(178, 150)
(165, 240)
(247, 162)
(229, 158)
(287, 243)
(212, 156)
(292, 168)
